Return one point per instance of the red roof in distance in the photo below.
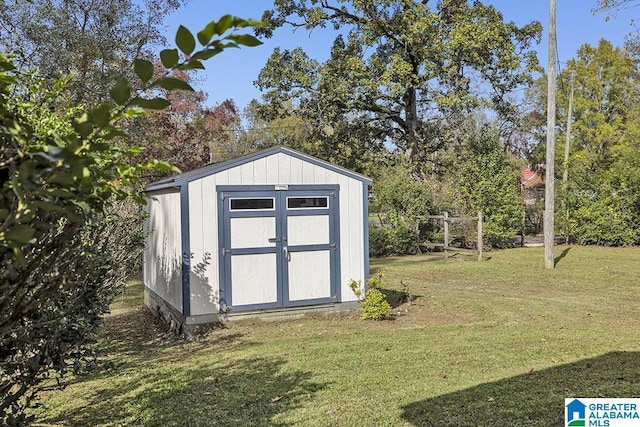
(530, 179)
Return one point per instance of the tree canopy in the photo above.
(93, 41)
(603, 180)
(601, 198)
(401, 73)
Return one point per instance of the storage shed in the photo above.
(274, 232)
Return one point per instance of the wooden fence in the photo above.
(446, 218)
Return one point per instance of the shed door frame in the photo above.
(281, 249)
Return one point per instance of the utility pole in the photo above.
(565, 164)
(549, 195)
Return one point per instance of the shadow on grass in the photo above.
(562, 255)
(140, 332)
(535, 399)
(160, 380)
(400, 260)
(397, 298)
(428, 257)
(246, 392)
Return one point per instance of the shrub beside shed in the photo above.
(275, 232)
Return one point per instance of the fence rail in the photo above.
(446, 218)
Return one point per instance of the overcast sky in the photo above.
(232, 73)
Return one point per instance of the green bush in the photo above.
(374, 305)
(397, 237)
(404, 239)
(379, 241)
(603, 220)
(487, 181)
(399, 199)
(534, 216)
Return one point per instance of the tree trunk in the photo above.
(411, 111)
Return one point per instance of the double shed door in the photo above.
(279, 246)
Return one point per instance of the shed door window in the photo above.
(252, 204)
(307, 202)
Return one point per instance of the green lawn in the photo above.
(497, 343)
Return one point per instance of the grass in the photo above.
(497, 343)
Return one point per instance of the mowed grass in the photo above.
(496, 343)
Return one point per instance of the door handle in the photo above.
(287, 254)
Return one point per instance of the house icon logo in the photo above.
(576, 414)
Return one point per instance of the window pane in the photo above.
(248, 204)
(307, 202)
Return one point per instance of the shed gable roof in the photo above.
(192, 175)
